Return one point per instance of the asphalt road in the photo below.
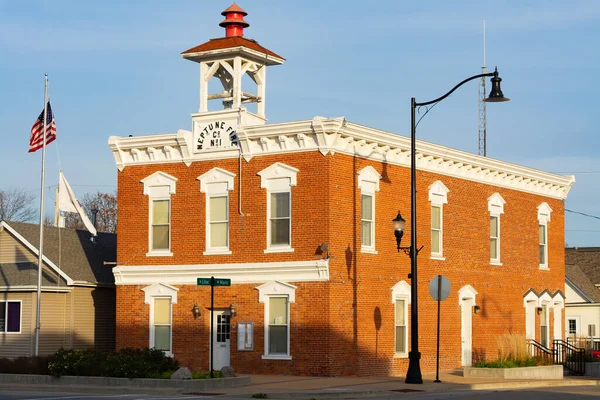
(555, 393)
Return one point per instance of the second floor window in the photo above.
(436, 230)
(161, 224)
(366, 220)
(219, 222)
(279, 219)
(494, 238)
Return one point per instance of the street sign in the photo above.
(434, 291)
(216, 282)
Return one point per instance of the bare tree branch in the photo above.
(15, 205)
(106, 219)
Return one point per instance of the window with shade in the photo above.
(367, 222)
(161, 224)
(280, 219)
(494, 238)
(219, 222)
(436, 230)
(543, 249)
(161, 324)
(544, 326)
(10, 317)
(278, 326)
(401, 334)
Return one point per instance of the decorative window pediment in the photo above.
(438, 193)
(531, 297)
(400, 289)
(368, 180)
(160, 290)
(544, 212)
(496, 204)
(216, 181)
(159, 184)
(278, 176)
(466, 293)
(276, 288)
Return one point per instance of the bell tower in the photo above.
(228, 59)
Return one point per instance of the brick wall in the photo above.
(335, 326)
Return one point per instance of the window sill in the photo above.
(217, 252)
(273, 357)
(367, 250)
(498, 263)
(279, 250)
(544, 268)
(438, 257)
(159, 254)
(401, 355)
(10, 333)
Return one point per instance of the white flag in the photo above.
(68, 202)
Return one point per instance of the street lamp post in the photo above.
(413, 375)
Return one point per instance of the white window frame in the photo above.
(401, 291)
(159, 186)
(496, 208)
(438, 196)
(152, 292)
(544, 212)
(6, 316)
(278, 178)
(368, 183)
(577, 320)
(265, 292)
(216, 183)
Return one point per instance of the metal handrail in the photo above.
(573, 358)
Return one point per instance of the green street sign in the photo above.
(217, 282)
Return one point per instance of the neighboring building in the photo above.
(298, 216)
(77, 305)
(582, 300)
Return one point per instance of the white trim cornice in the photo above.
(290, 271)
(336, 135)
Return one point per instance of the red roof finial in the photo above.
(234, 23)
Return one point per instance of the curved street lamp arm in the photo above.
(495, 73)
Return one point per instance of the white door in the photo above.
(467, 331)
(221, 338)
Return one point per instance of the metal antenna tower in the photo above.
(482, 110)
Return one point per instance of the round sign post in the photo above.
(439, 289)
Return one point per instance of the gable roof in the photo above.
(582, 269)
(70, 252)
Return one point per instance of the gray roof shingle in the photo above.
(80, 258)
(583, 269)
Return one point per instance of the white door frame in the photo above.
(221, 339)
(466, 300)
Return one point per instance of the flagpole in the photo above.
(41, 247)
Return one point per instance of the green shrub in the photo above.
(126, 363)
(526, 362)
(206, 374)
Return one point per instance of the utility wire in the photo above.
(580, 213)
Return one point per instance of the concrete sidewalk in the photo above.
(306, 387)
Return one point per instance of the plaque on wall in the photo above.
(245, 336)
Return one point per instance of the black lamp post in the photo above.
(413, 375)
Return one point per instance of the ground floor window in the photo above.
(278, 326)
(401, 336)
(10, 317)
(162, 324)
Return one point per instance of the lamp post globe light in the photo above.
(413, 375)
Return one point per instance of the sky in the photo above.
(115, 69)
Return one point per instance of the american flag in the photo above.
(36, 141)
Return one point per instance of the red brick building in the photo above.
(299, 216)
